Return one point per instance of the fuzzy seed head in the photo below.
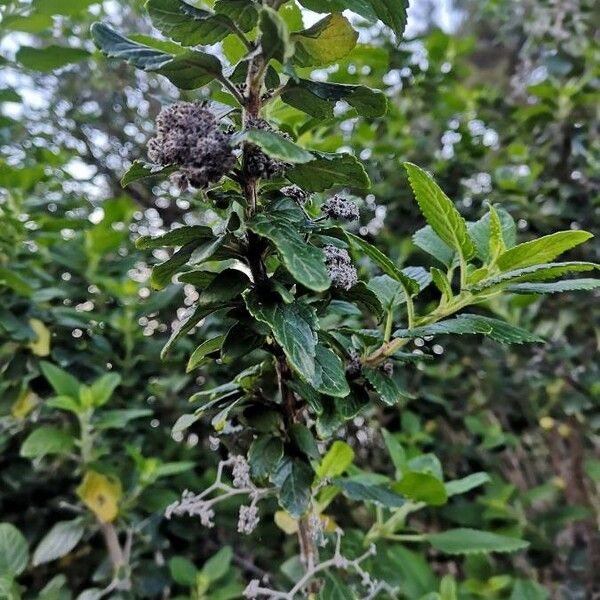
(339, 267)
(338, 207)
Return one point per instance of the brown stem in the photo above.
(117, 558)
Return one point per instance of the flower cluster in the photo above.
(296, 193)
(338, 207)
(339, 267)
(188, 135)
(259, 164)
(248, 519)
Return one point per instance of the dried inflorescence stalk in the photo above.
(188, 135)
(201, 505)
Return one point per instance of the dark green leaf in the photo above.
(473, 541)
(275, 39)
(366, 492)
(50, 58)
(295, 478)
(142, 170)
(385, 386)
(265, 453)
(275, 145)
(329, 377)
(200, 353)
(304, 440)
(176, 237)
(567, 285)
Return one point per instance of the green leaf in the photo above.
(264, 455)
(364, 296)
(46, 440)
(327, 41)
(526, 589)
(318, 98)
(397, 453)
(439, 211)
(295, 478)
(385, 386)
(304, 440)
(293, 328)
(275, 38)
(330, 376)
(274, 145)
(464, 485)
(471, 324)
(176, 237)
(335, 589)
(142, 170)
(188, 70)
(328, 170)
(474, 541)
(163, 273)
(240, 340)
(338, 458)
(63, 383)
(218, 564)
(384, 263)
(366, 492)
(421, 487)
(531, 274)
(183, 571)
(305, 263)
(50, 58)
(415, 574)
(14, 553)
(118, 419)
(187, 24)
(103, 388)
(442, 283)
(567, 285)
(392, 13)
(429, 241)
(244, 13)
(200, 353)
(59, 541)
(481, 232)
(541, 250)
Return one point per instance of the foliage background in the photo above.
(501, 104)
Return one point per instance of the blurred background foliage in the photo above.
(498, 98)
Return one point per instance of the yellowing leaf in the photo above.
(24, 404)
(285, 522)
(41, 346)
(101, 494)
(328, 40)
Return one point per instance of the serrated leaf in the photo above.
(329, 377)
(265, 453)
(430, 242)
(328, 170)
(499, 331)
(474, 541)
(305, 263)
(481, 232)
(14, 553)
(188, 70)
(439, 211)
(541, 250)
(200, 353)
(275, 39)
(531, 274)
(327, 41)
(293, 328)
(367, 492)
(384, 263)
(275, 145)
(294, 478)
(318, 98)
(59, 541)
(567, 285)
(187, 24)
(176, 237)
(389, 393)
(142, 170)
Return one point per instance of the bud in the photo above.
(338, 207)
(188, 135)
(339, 267)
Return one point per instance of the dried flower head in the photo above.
(193, 505)
(259, 164)
(296, 193)
(252, 589)
(388, 368)
(240, 472)
(188, 135)
(248, 519)
(338, 207)
(339, 267)
(354, 365)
